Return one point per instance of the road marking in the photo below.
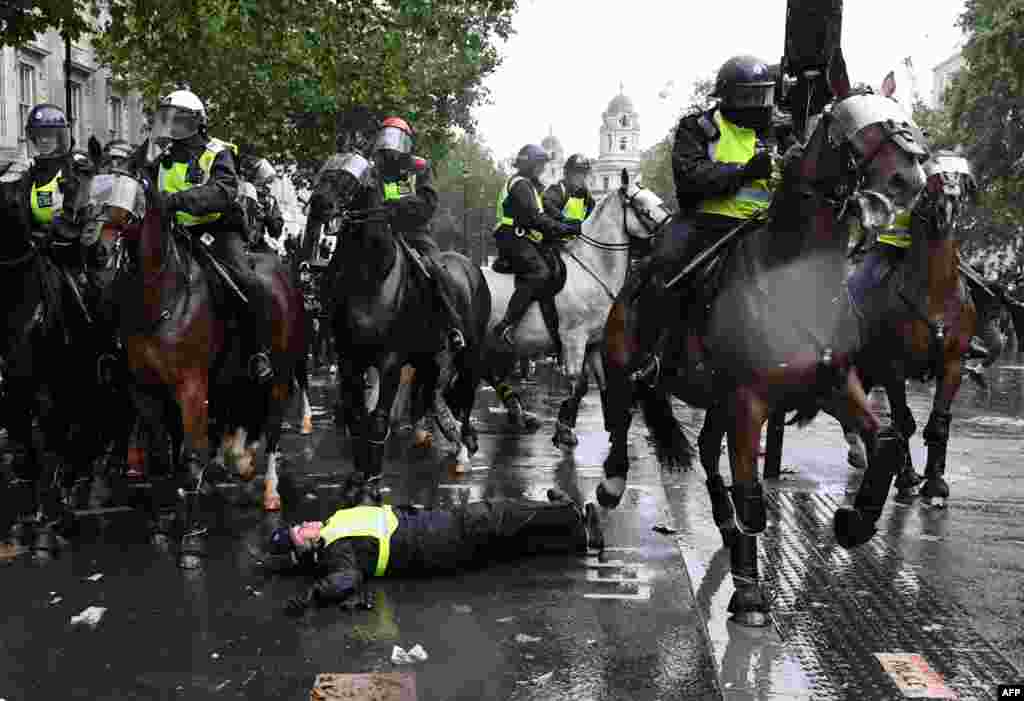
(103, 510)
(641, 576)
(643, 593)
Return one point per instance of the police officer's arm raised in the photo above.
(523, 205)
(417, 211)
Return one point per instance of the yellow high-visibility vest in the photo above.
(174, 178)
(736, 144)
(575, 208)
(503, 220)
(46, 199)
(899, 233)
(377, 522)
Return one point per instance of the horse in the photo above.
(768, 326)
(177, 343)
(924, 303)
(383, 317)
(596, 264)
(48, 354)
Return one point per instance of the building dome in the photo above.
(551, 144)
(620, 103)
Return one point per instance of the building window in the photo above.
(624, 121)
(116, 119)
(623, 143)
(609, 142)
(76, 113)
(605, 179)
(3, 97)
(26, 94)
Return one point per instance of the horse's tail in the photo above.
(671, 445)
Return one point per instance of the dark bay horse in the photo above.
(384, 316)
(918, 316)
(177, 341)
(779, 332)
(49, 348)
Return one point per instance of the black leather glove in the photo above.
(759, 167)
(298, 604)
(172, 202)
(571, 230)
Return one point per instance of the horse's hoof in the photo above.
(749, 606)
(852, 528)
(605, 498)
(935, 492)
(905, 495)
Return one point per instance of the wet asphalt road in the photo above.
(943, 584)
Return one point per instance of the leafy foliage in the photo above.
(278, 75)
(468, 181)
(21, 20)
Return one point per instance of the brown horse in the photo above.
(177, 341)
(778, 333)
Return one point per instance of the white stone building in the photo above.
(942, 76)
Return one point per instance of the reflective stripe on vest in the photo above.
(503, 220)
(377, 522)
(46, 199)
(575, 208)
(736, 144)
(899, 233)
(400, 188)
(175, 179)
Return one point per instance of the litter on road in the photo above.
(90, 616)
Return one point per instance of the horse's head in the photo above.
(645, 213)
(951, 188)
(337, 184)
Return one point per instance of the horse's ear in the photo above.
(889, 84)
(625, 178)
(95, 149)
(838, 79)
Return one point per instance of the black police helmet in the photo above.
(577, 163)
(531, 155)
(744, 81)
(46, 115)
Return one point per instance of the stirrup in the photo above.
(254, 365)
(650, 372)
(456, 341)
(503, 332)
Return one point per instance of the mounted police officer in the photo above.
(570, 200)
(407, 188)
(197, 175)
(266, 216)
(116, 154)
(521, 228)
(723, 176)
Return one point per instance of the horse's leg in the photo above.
(378, 423)
(749, 604)
(447, 421)
(279, 396)
(191, 393)
(618, 408)
(710, 446)
(521, 419)
(936, 434)
(352, 407)
(903, 421)
(576, 352)
(26, 483)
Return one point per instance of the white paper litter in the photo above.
(56, 600)
(90, 616)
(506, 619)
(415, 654)
(95, 577)
(523, 638)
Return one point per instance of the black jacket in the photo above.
(521, 206)
(426, 540)
(273, 220)
(218, 194)
(696, 176)
(558, 194)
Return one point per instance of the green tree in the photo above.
(656, 167)
(21, 20)
(987, 107)
(468, 180)
(278, 74)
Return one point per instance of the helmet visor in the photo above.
(751, 95)
(49, 142)
(175, 122)
(394, 139)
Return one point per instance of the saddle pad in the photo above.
(875, 270)
(552, 256)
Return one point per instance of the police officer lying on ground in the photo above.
(367, 539)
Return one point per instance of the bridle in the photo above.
(643, 215)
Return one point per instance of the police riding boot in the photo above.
(443, 285)
(749, 605)
(517, 306)
(936, 436)
(258, 318)
(651, 337)
(856, 526)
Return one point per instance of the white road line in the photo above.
(643, 594)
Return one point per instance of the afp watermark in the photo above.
(1010, 691)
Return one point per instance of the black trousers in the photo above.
(534, 276)
(442, 282)
(508, 529)
(257, 317)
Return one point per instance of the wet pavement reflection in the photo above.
(645, 620)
